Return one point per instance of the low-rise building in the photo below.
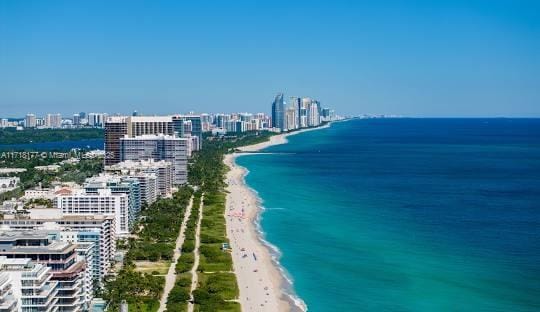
(8, 183)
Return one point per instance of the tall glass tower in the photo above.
(278, 112)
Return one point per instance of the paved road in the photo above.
(195, 277)
(170, 278)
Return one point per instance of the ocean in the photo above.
(406, 214)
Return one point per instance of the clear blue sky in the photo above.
(415, 58)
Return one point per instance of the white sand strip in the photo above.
(260, 280)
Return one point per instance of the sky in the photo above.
(413, 58)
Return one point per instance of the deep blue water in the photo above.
(55, 146)
(407, 214)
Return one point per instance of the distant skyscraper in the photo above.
(305, 104)
(30, 121)
(53, 121)
(314, 119)
(196, 127)
(291, 120)
(278, 112)
(296, 103)
(76, 119)
(96, 119)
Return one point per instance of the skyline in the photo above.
(444, 59)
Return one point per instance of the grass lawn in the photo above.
(148, 267)
(223, 284)
(213, 234)
(223, 307)
(149, 305)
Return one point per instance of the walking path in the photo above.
(194, 275)
(170, 278)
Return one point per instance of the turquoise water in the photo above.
(407, 214)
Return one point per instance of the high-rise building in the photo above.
(158, 147)
(296, 103)
(235, 126)
(76, 119)
(96, 119)
(327, 114)
(221, 119)
(291, 119)
(141, 125)
(305, 112)
(53, 121)
(118, 185)
(155, 177)
(79, 202)
(26, 286)
(97, 229)
(196, 127)
(86, 252)
(314, 119)
(60, 257)
(30, 121)
(115, 128)
(278, 112)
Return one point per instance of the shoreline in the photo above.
(263, 282)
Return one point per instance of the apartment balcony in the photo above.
(35, 274)
(73, 305)
(8, 304)
(5, 282)
(52, 308)
(70, 285)
(35, 284)
(71, 272)
(37, 303)
(56, 261)
(5, 292)
(68, 295)
(44, 292)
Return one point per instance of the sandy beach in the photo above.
(260, 280)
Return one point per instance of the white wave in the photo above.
(275, 252)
